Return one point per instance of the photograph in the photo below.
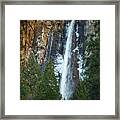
(59, 59)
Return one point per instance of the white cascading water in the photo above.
(66, 85)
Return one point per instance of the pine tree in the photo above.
(38, 85)
(48, 89)
(29, 75)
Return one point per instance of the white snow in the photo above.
(80, 62)
(77, 34)
(58, 64)
(76, 49)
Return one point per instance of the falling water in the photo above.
(66, 86)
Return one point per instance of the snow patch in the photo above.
(76, 49)
(58, 64)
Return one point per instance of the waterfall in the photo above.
(66, 85)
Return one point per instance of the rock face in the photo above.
(34, 36)
(27, 34)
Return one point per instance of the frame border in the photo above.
(55, 2)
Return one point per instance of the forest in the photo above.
(60, 59)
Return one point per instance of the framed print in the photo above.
(60, 59)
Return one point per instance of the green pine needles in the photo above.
(36, 84)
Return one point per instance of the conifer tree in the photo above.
(36, 84)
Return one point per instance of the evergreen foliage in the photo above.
(89, 87)
(38, 85)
